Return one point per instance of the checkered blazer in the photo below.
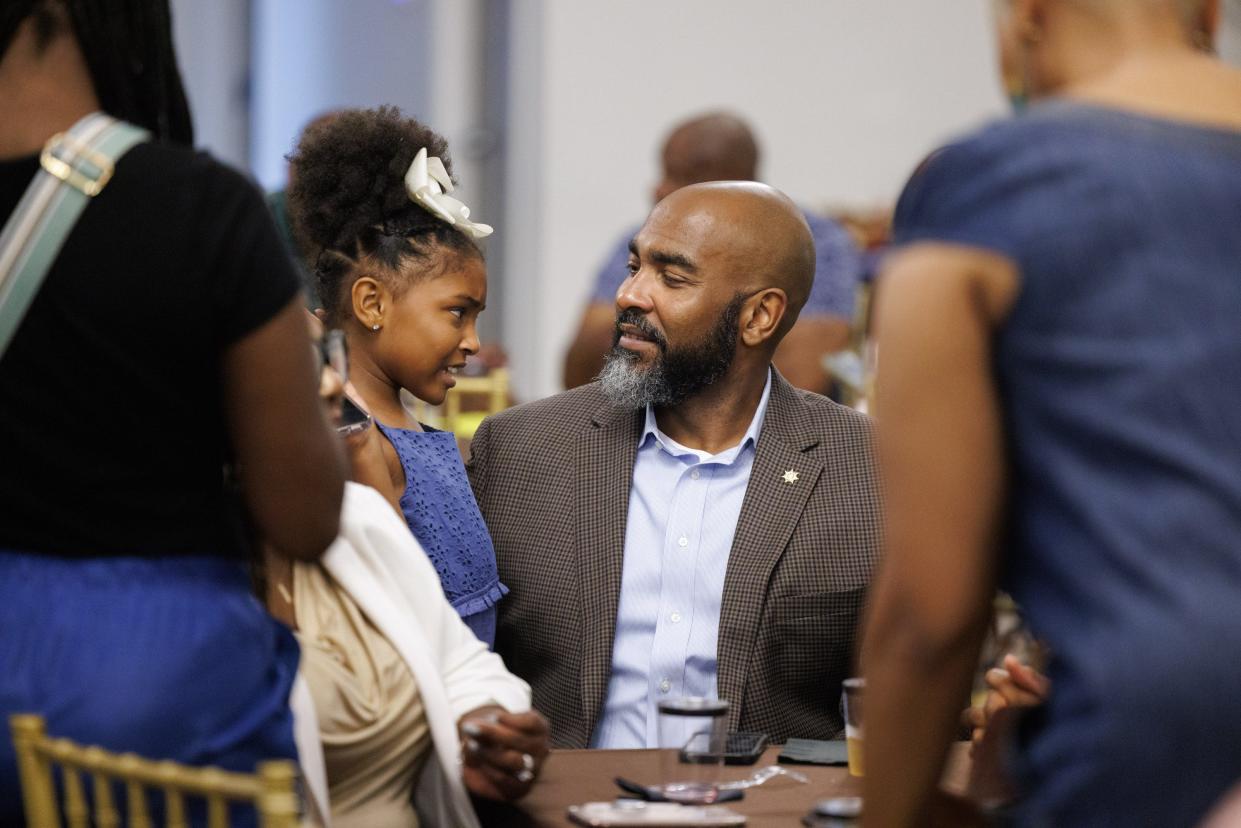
(552, 479)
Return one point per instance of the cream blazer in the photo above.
(389, 576)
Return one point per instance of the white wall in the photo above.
(1230, 32)
(313, 56)
(847, 96)
(213, 49)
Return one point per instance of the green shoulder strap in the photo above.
(75, 166)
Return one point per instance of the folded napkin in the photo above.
(814, 752)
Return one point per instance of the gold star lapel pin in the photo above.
(791, 476)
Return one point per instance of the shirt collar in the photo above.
(672, 447)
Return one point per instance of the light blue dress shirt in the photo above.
(683, 510)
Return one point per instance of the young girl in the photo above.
(399, 270)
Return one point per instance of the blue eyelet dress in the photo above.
(440, 509)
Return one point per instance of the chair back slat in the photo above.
(106, 815)
(77, 815)
(217, 812)
(271, 789)
(135, 797)
(174, 809)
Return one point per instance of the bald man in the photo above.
(690, 524)
(719, 146)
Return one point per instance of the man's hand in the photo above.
(502, 752)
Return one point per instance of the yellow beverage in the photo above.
(853, 744)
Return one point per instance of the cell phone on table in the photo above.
(353, 420)
(633, 812)
(742, 748)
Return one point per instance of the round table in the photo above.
(572, 777)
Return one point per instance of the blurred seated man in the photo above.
(721, 147)
(690, 524)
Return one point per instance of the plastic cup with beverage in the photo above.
(696, 729)
(853, 692)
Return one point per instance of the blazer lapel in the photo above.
(604, 465)
(781, 481)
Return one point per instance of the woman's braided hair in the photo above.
(349, 208)
(127, 46)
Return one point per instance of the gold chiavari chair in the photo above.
(493, 387)
(270, 789)
(853, 368)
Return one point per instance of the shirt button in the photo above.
(675, 617)
(665, 686)
(683, 541)
(695, 474)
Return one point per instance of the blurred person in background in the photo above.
(400, 272)
(166, 345)
(414, 713)
(721, 147)
(1060, 375)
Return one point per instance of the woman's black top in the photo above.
(112, 425)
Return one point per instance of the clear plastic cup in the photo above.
(696, 730)
(853, 692)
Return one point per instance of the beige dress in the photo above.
(371, 719)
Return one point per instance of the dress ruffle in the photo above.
(480, 601)
(440, 509)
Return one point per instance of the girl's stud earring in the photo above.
(375, 327)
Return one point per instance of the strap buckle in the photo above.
(71, 171)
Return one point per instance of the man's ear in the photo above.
(761, 316)
(370, 300)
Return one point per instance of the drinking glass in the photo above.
(854, 689)
(698, 728)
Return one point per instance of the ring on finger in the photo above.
(526, 774)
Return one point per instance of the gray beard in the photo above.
(674, 375)
(628, 385)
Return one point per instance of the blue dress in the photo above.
(1119, 370)
(171, 658)
(441, 511)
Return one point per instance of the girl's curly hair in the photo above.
(348, 205)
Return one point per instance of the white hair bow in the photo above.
(428, 184)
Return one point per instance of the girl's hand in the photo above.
(502, 752)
